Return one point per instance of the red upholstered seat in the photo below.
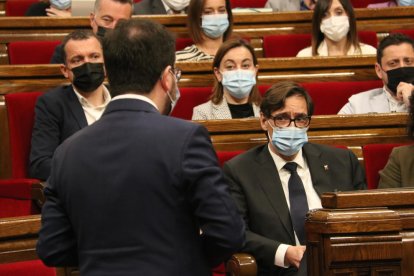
(365, 3)
(375, 158)
(224, 156)
(182, 42)
(18, 7)
(286, 45)
(368, 37)
(190, 97)
(31, 52)
(248, 3)
(408, 32)
(330, 97)
(27, 268)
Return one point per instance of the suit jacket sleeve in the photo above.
(263, 248)
(390, 176)
(222, 227)
(57, 244)
(45, 138)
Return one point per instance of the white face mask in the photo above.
(335, 27)
(177, 5)
(406, 2)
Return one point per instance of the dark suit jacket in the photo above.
(256, 187)
(149, 7)
(129, 194)
(58, 114)
(57, 57)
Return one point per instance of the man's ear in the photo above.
(378, 70)
(263, 122)
(64, 70)
(166, 79)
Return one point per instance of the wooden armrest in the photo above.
(242, 264)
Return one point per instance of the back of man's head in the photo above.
(392, 39)
(136, 52)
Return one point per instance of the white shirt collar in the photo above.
(84, 101)
(280, 162)
(135, 96)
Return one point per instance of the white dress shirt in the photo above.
(92, 112)
(312, 196)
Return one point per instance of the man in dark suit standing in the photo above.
(139, 192)
(64, 110)
(276, 184)
(161, 6)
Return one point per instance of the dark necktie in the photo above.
(298, 202)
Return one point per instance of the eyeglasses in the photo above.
(177, 72)
(283, 120)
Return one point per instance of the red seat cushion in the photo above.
(365, 3)
(190, 97)
(287, 45)
(31, 52)
(368, 37)
(248, 3)
(181, 43)
(32, 268)
(224, 156)
(18, 7)
(408, 32)
(375, 158)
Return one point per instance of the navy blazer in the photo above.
(257, 189)
(58, 114)
(149, 7)
(129, 194)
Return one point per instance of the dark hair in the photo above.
(136, 53)
(77, 35)
(392, 39)
(275, 97)
(321, 7)
(218, 92)
(98, 4)
(194, 13)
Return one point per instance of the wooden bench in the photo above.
(252, 25)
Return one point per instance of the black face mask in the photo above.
(88, 76)
(101, 31)
(402, 74)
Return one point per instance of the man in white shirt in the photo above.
(161, 6)
(265, 180)
(395, 66)
(67, 109)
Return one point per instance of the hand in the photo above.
(404, 91)
(53, 12)
(310, 4)
(294, 255)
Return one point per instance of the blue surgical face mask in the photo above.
(239, 83)
(289, 140)
(61, 4)
(214, 25)
(406, 2)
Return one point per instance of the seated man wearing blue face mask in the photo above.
(395, 66)
(106, 15)
(67, 109)
(265, 180)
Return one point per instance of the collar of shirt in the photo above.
(85, 103)
(171, 11)
(137, 97)
(280, 162)
(394, 104)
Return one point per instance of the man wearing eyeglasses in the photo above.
(139, 192)
(276, 184)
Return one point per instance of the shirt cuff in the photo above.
(280, 255)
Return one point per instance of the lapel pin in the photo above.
(325, 167)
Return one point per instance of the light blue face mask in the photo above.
(239, 83)
(289, 140)
(61, 4)
(214, 25)
(406, 2)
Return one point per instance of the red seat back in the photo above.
(20, 111)
(182, 42)
(407, 32)
(224, 156)
(368, 37)
(365, 3)
(18, 7)
(287, 45)
(330, 97)
(31, 52)
(190, 98)
(248, 3)
(375, 158)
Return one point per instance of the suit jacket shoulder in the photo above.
(398, 172)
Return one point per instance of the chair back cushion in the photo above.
(287, 45)
(31, 52)
(190, 98)
(18, 7)
(248, 3)
(20, 112)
